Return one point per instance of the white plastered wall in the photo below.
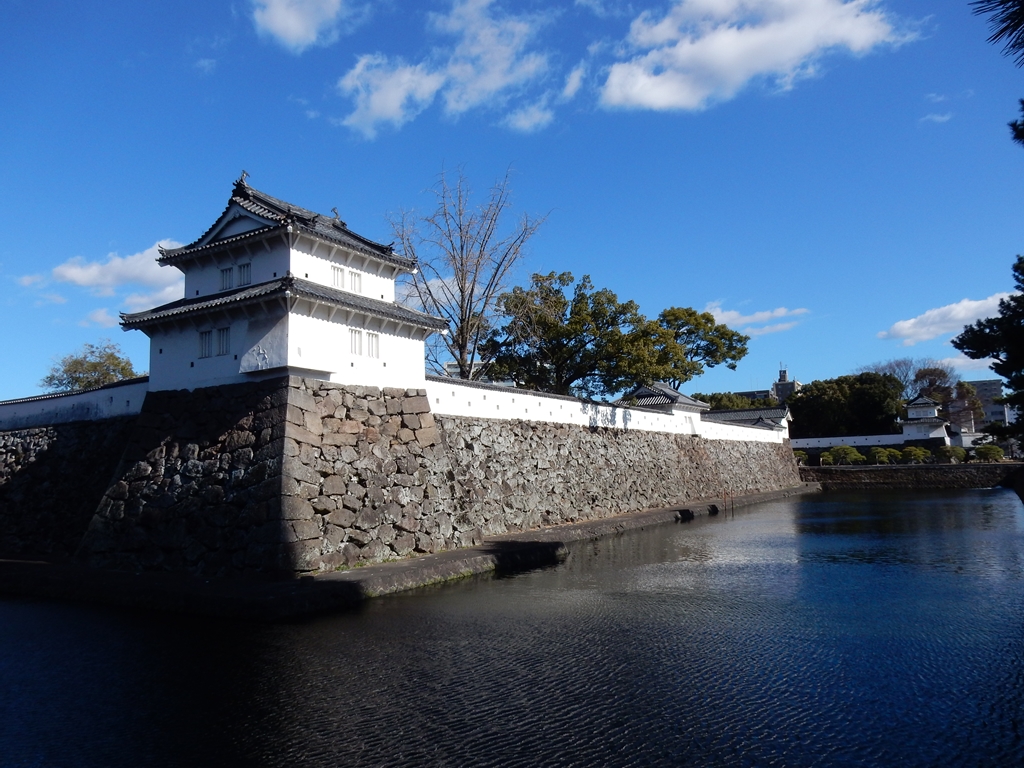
(120, 400)
(204, 279)
(315, 261)
(456, 399)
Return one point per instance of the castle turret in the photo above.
(273, 289)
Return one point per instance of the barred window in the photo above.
(355, 282)
(339, 277)
(373, 345)
(227, 279)
(205, 343)
(244, 274)
(355, 339)
(223, 341)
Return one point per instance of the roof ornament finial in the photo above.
(244, 176)
(334, 210)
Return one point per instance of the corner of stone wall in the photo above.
(364, 476)
(198, 486)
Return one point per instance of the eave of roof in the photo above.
(289, 218)
(285, 287)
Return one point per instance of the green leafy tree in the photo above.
(825, 459)
(591, 344)
(988, 453)
(93, 366)
(951, 454)
(913, 454)
(861, 404)
(845, 454)
(728, 401)
(694, 341)
(1001, 338)
(881, 455)
(800, 456)
(586, 344)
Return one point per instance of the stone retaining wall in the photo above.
(50, 481)
(914, 476)
(298, 476)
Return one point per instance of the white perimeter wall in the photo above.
(456, 399)
(854, 441)
(120, 400)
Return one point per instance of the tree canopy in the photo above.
(861, 404)
(694, 341)
(729, 401)
(1001, 338)
(1007, 24)
(93, 366)
(570, 338)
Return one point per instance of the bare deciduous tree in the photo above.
(465, 255)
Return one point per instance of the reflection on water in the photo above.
(835, 630)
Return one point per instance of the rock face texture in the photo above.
(915, 476)
(298, 476)
(50, 481)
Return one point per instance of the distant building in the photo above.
(780, 392)
(990, 390)
(783, 388)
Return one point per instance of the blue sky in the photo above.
(834, 178)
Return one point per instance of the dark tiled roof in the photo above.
(926, 420)
(922, 400)
(283, 287)
(658, 394)
(739, 414)
(284, 215)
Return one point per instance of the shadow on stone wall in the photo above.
(50, 479)
(198, 486)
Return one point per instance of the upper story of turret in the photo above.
(259, 238)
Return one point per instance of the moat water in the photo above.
(834, 630)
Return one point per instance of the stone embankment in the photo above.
(916, 476)
(302, 476)
(50, 481)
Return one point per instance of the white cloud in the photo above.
(703, 51)
(604, 8)
(737, 319)
(766, 329)
(962, 363)
(574, 81)
(51, 298)
(100, 317)
(136, 302)
(29, 280)
(387, 92)
(934, 118)
(206, 66)
(936, 98)
(753, 324)
(104, 277)
(530, 118)
(942, 320)
(298, 24)
(488, 61)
